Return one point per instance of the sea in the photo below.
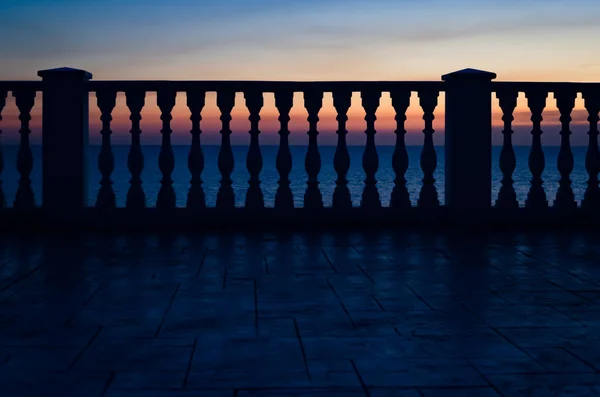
(151, 174)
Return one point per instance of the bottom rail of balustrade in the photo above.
(242, 219)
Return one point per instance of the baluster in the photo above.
(507, 197)
(166, 161)
(254, 160)
(225, 195)
(313, 101)
(370, 160)
(400, 197)
(3, 94)
(136, 198)
(196, 199)
(283, 196)
(428, 197)
(106, 162)
(341, 159)
(24, 198)
(565, 199)
(536, 197)
(591, 198)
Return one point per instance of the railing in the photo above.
(468, 180)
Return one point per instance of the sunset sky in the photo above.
(529, 40)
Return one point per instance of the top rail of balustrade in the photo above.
(265, 86)
(20, 86)
(525, 86)
(298, 86)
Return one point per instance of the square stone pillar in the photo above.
(468, 144)
(65, 124)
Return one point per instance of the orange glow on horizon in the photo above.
(269, 124)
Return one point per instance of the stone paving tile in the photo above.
(507, 365)
(342, 314)
(131, 356)
(459, 392)
(148, 380)
(56, 337)
(244, 375)
(393, 392)
(321, 348)
(418, 372)
(540, 297)
(312, 392)
(31, 383)
(333, 373)
(590, 355)
(586, 313)
(40, 358)
(560, 360)
(538, 385)
(168, 393)
(547, 337)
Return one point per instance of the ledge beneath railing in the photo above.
(270, 219)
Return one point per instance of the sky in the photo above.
(301, 40)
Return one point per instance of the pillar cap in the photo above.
(469, 74)
(65, 73)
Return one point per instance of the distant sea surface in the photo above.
(151, 175)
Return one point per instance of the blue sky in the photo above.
(529, 40)
(300, 39)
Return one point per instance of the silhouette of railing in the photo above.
(468, 181)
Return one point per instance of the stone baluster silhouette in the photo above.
(313, 101)
(536, 197)
(341, 159)
(507, 197)
(565, 199)
(166, 161)
(225, 195)
(370, 160)
(3, 94)
(24, 199)
(591, 198)
(106, 162)
(428, 196)
(254, 159)
(196, 199)
(400, 197)
(283, 196)
(136, 199)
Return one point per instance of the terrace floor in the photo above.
(330, 314)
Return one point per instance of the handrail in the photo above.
(264, 86)
(21, 85)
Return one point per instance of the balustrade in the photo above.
(283, 196)
(166, 161)
(24, 199)
(196, 199)
(428, 197)
(400, 197)
(472, 83)
(254, 160)
(370, 160)
(536, 197)
(136, 199)
(341, 159)
(507, 197)
(313, 101)
(106, 163)
(225, 195)
(591, 198)
(565, 199)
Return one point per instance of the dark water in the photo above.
(151, 175)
